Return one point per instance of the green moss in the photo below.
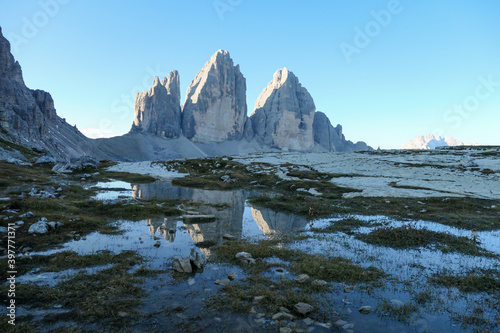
(18, 175)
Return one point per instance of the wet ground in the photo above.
(404, 302)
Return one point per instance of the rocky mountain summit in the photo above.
(215, 109)
(284, 114)
(28, 117)
(158, 110)
(212, 121)
(431, 141)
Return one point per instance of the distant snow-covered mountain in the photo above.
(431, 141)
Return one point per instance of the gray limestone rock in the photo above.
(303, 308)
(45, 159)
(197, 259)
(182, 265)
(76, 164)
(366, 309)
(284, 114)
(158, 110)
(28, 117)
(40, 227)
(324, 133)
(215, 109)
(331, 138)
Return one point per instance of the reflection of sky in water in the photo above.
(243, 220)
(126, 190)
(405, 263)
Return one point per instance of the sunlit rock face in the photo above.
(158, 110)
(215, 109)
(284, 114)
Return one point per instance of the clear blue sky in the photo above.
(402, 80)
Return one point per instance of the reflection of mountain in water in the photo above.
(229, 207)
(164, 226)
(270, 221)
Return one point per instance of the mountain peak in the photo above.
(432, 141)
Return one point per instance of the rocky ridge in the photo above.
(331, 138)
(215, 113)
(28, 117)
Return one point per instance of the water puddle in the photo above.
(235, 216)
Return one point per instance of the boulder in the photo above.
(215, 109)
(319, 283)
(182, 265)
(40, 227)
(76, 164)
(283, 316)
(303, 278)
(197, 259)
(243, 255)
(365, 309)
(303, 308)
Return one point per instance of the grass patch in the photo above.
(238, 297)
(27, 152)
(133, 178)
(465, 213)
(206, 243)
(303, 205)
(318, 267)
(91, 298)
(400, 312)
(408, 237)
(17, 175)
(69, 260)
(336, 269)
(487, 281)
(409, 187)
